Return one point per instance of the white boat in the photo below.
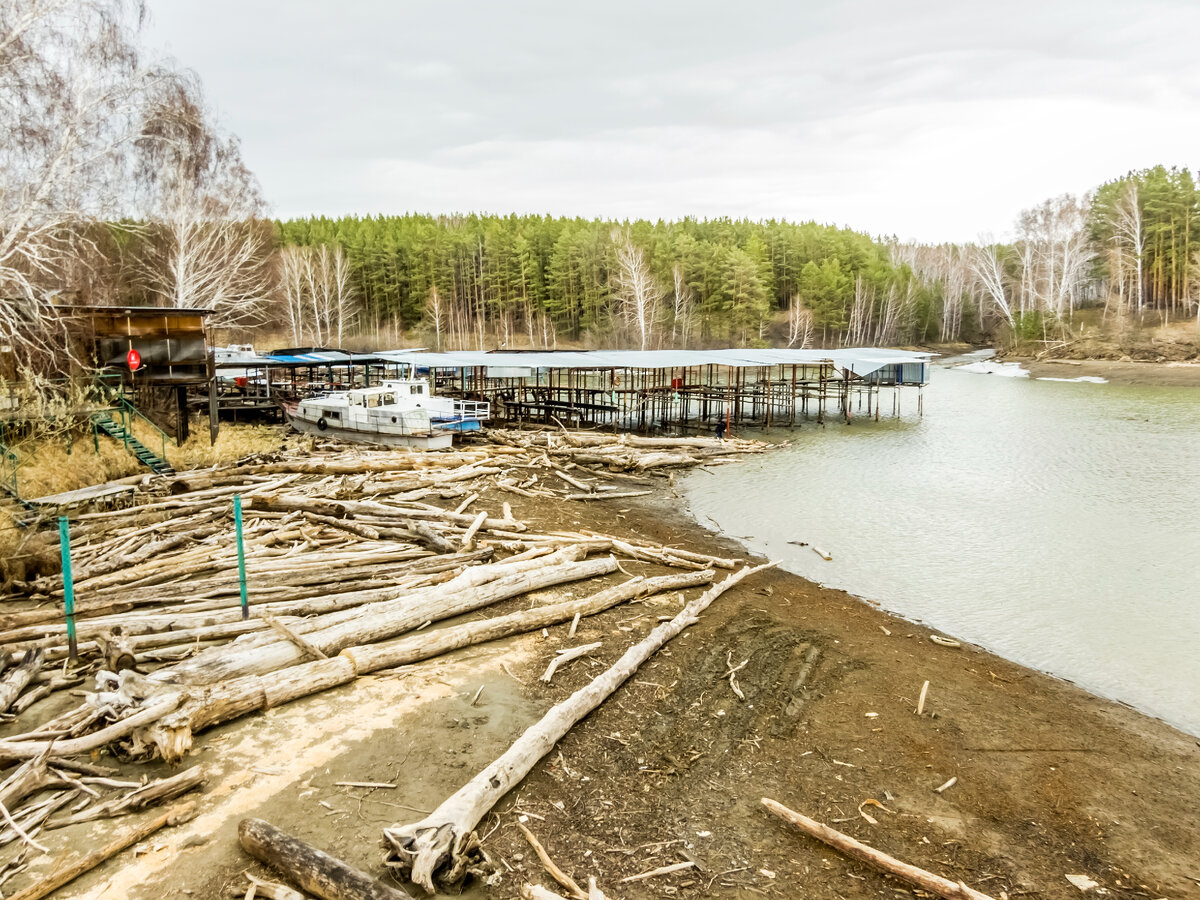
(400, 412)
(234, 353)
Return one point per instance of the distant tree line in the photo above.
(477, 280)
(487, 280)
(1129, 247)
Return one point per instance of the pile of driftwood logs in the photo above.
(349, 551)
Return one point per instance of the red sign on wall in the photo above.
(134, 359)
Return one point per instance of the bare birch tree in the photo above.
(292, 284)
(317, 294)
(800, 323)
(681, 312)
(861, 315)
(953, 288)
(636, 292)
(988, 269)
(434, 309)
(209, 246)
(73, 91)
(1055, 253)
(1129, 236)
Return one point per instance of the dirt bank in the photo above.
(1162, 374)
(1051, 780)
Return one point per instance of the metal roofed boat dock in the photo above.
(635, 390)
(675, 389)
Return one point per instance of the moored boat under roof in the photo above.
(401, 412)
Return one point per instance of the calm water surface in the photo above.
(1056, 524)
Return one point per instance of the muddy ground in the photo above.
(1176, 374)
(1051, 780)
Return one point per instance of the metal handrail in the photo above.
(128, 410)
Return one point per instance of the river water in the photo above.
(1056, 524)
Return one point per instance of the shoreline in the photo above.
(1164, 374)
(880, 606)
(1029, 749)
(1050, 779)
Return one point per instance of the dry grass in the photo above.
(47, 468)
(12, 540)
(233, 443)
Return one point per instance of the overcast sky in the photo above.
(936, 120)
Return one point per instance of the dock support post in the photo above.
(241, 553)
(64, 539)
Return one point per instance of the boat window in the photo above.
(388, 399)
(418, 389)
(331, 414)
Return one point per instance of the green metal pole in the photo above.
(237, 524)
(64, 538)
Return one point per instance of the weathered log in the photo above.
(537, 892)
(607, 495)
(442, 845)
(292, 636)
(289, 502)
(66, 873)
(18, 678)
(171, 737)
(30, 697)
(648, 555)
(468, 538)
(155, 792)
(11, 750)
(412, 649)
(925, 880)
(313, 870)
(376, 622)
(565, 656)
(550, 866)
(29, 778)
(31, 818)
(269, 890)
(116, 650)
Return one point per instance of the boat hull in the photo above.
(434, 440)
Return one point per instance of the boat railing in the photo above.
(472, 409)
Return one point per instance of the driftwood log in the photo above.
(64, 874)
(412, 649)
(155, 792)
(375, 622)
(923, 879)
(443, 845)
(17, 679)
(171, 736)
(313, 870)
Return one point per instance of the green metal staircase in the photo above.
(120, 430)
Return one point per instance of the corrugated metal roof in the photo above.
(861, 361)
(323, 358)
